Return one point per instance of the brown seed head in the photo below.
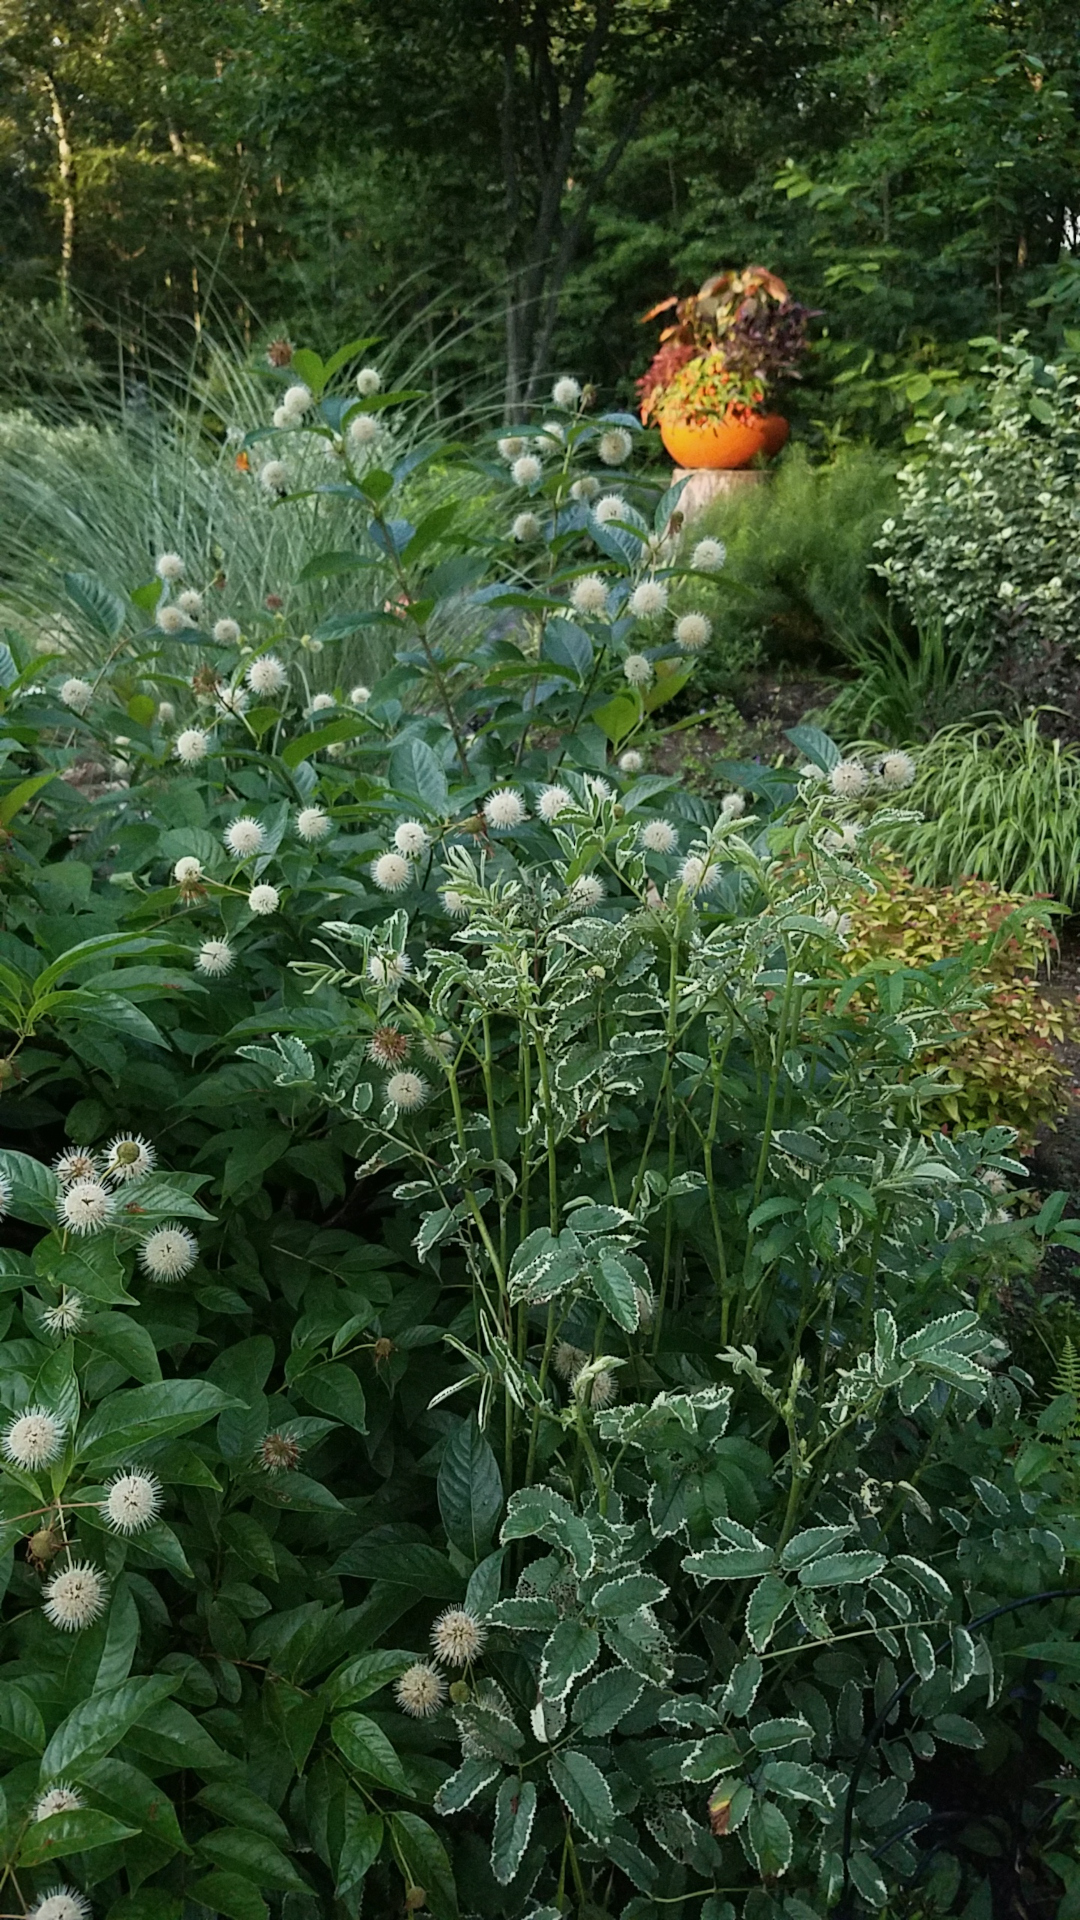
(279, 352)
(382, 1349)
(278, 1453)
(388, 1048)
(204, 680)
(275, 602)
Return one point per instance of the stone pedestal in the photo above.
(707, 484)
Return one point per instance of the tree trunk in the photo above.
(65, 159)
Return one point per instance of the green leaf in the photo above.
(326, 566)
(239, 1850)
(424, 1570)
(542, 1512)
(22, 1729)
(868, 1878)
(367, 1748)
(583, 1791)
(783, 1732)
(770, 1839)
(126, 1421)
(307, 366)
(765, 1609)
(954, 1728)
(841, 1569)
(614, 1287)
(515, 1809)
(74, 1832)
(470, 1490)
(130, 1794)
(102, 608)
(415, 773)
(427, 1862)
(320, 738)
(33, 1188)
(617, 717)
(570, 1651)
(335, 1390)
(19, 796)
(360, 1848)
(626, 1594)
(241, 1808)
(369, 1673)
(603, 1702)
(472, 1778)
(98, 1724)
(232, 1895)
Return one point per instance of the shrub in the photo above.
(537, 1247)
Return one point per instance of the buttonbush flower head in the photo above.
(188, 871)
(611, 506)
(458, 1636)
(274, 476)
(566, 392)
(245, 837)
(263, 899)
(597, 788)
(630, 761)
(568, 1360)
(511, 447)
(226, 632)
(76, 694)
(455, 903)
(58, 1799)
(708, 556)
(279, 1453)
(133, 1502)
(897, 769)
(697, 873)
(368, 381)
(733, 806)
(313, 824)
(587, 891)
(392, 872)
(693, 632)
(267, 675)
(169, 566)
(845, 841)
(282, 417)
(192, 746)
(649, 599)
(586, 488)
(526, 470)
(420, 1690)
(589, 594)
(172, 620)
(75, 1597)
(439, 1047)
(388, 1047)
(76, 1163)
(364, 429)
(34, 1439)
(526, 527)
(67, 1315)
(359, 696)
(63, 1903)
(553, 436)
(504, 808)
(411, 839)
(86, 1207)
(233, 699)
(615, 446)
(604, 1388)
(297, 399)
(659, 836)
(637, 669)
(322, 702)
(552, 801)
(407, 1091)
(214, 958)
(169, 1252)
(388, 970)
(190, 602)
(849, 779)
(128, 1157)
(166, 713)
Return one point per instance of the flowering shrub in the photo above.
(480, 1311)
(985, 541)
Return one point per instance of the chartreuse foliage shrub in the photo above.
(495, 1419)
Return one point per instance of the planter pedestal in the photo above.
(707, 484)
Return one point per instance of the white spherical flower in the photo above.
(586, 488)
(504, 808)
(411, 839)
(392, 872)
(849, 779)
(359, 696)
(587, 892)
(897, 769)
(552, 801)
(166, 713)
(66, 1317)
(63, 1903)
(76, 694)
(263, 899)
(553, 436)
(455, 903)
(58, 1799)
(190, 602)
(267, 675)
(615, 446)
(169, 1252)
(128, 1157)
(86, 1207)
(420, 1690)
(846, 841)
(526, 527)
(599, 789)
(214, 958)
(649, 599)
(34, 1439)
(511, 447)
(169, 566)
(313, 824)
(244, 837)
(733, 806)
(233, 699)
(693, 632)
(322, 702)
(75, 1597)
(696, 873)
(611, 506)
(364, 429)
(368, 381)
(187, 871)
(275, 476)
(172, 620)
(637, 669)
(77, 1163)
(389, 970)
(589, 594)
(407, 1091)
(808, 771)
(526, 470)
(458, 1636)
(659, 836)
(298, 399)
(566, 392)
(226, 632)
(630, 761)
(282, 417)
(708, 556)
(192, 746)
(133, 1502)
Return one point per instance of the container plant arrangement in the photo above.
(709, 385)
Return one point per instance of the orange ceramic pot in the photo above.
(731, 442)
